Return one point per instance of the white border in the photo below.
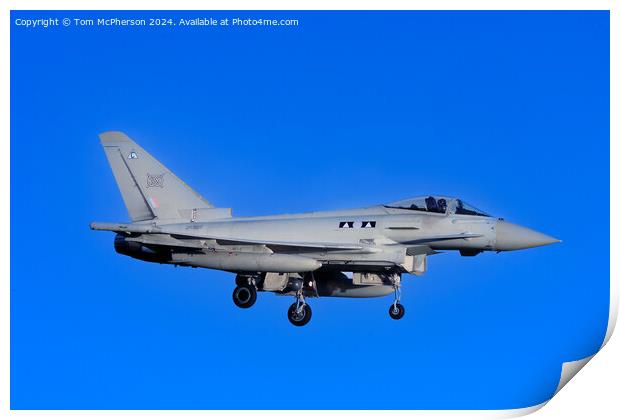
(605, 374)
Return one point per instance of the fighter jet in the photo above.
(353, 253)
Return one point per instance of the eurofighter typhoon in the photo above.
(299, 255)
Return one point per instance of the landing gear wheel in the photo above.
(299, 316)
(396, 311)
(244, 296)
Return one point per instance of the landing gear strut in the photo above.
(244, 294)
(396, 310)
(299, 313)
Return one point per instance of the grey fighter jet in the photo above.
(355, 253)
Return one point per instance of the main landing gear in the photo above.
(396, 310)
(244, 294)
(299, 313)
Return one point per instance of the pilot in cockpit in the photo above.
(436, 206)
(431, 204)
(442, 205)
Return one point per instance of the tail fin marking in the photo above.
(149, 189)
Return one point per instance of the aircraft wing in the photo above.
(166, 240)
(284, 246)
(157, 235)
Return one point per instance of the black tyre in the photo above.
(396, 311)
(301, 317)
(244, 296)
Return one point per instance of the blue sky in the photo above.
(508, 110)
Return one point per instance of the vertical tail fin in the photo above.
(149, 189)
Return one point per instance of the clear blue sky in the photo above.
(509, 111)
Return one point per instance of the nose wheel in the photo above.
(299, 313)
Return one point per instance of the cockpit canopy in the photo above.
(437, 204)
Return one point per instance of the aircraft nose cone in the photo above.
(510, 237)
